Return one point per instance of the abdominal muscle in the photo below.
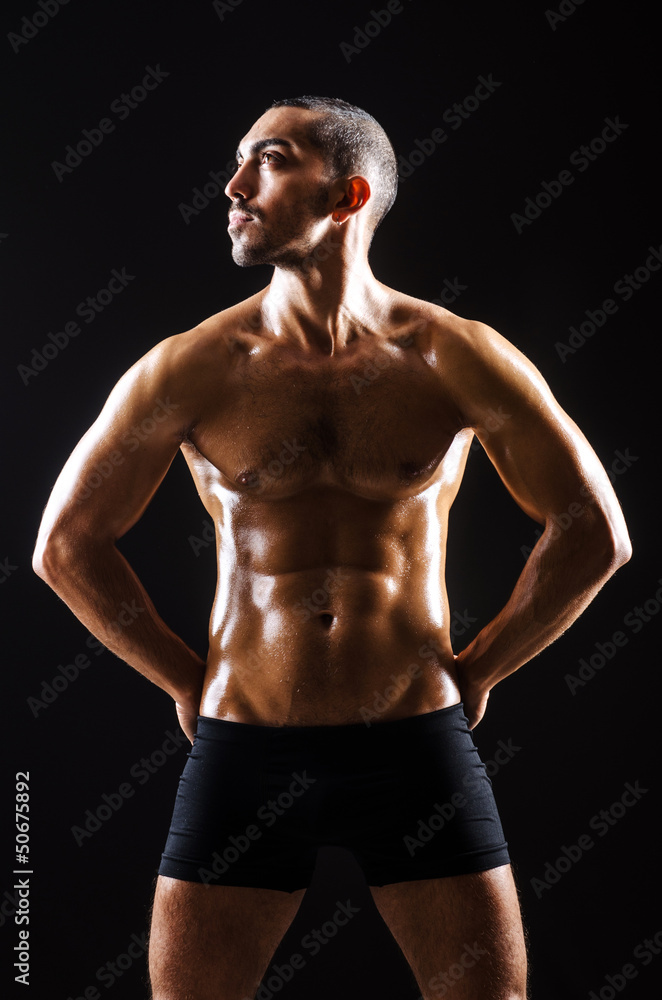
(325, 646)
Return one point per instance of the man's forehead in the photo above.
(284, 123)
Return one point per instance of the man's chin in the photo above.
(285, 258)
(247, 258)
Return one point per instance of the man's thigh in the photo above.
(214, 941)
(461, 935)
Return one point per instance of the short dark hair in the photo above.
(353, 142)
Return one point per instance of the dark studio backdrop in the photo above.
(526, 138)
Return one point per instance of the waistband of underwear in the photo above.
(451, 716)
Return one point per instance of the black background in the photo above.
(120, 208)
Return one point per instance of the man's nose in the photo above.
(240, 185)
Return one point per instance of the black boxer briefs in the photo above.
(410, 798)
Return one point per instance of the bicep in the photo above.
(541, 455)
(119, 463)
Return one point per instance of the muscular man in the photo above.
(326, 422)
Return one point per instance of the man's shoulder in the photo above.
(471, 359)
(241, 317)
(449, 331)
(213, 339)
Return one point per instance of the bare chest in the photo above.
(377, 423)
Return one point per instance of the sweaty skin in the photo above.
(329, 479)
(326, 422)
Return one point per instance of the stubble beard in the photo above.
(286, 245)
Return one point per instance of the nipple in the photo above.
(248, 477)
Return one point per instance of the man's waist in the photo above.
(254, 692)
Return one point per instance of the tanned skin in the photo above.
(326, 422)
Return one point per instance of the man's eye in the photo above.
(273, 158)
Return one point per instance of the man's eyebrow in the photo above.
(261, 144)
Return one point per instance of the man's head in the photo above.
(351, 142)
(305, 162)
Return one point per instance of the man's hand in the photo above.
(188, 719)
(474, 697)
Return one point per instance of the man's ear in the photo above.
(356, 194)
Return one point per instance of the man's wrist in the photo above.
(188, 693)
(471, 679)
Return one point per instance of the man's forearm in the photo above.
(104, 593)
(560, 579)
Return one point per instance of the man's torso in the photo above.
(329, 480)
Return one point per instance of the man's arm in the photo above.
(556, 478)
(101, 492)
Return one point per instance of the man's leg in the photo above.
(214, 942)
(461, 935)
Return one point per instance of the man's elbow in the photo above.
(48, 559)
(612, 543)
(598, 540)
(622, 549)
(55, 555)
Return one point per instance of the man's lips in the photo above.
(238, 219)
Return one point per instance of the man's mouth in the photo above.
(238, 219)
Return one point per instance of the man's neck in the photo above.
(321, 305)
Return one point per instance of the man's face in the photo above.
(280, 195)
